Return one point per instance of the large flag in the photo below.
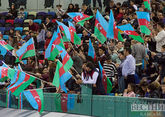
(144, 20)
(27, 50)
(147, 4)
(8, 99)
(101, 27)
(6, 45)
(57, 102)
(36, 99)
(6, 73)
(80, 18)
(65, 30)
(22, 83)
(70, 102)
(91, 50)
(4, 65)
(66, 59)
(61, 76)
(51, 52)
(106, 82)
(113, 32)
(20, 101)
(129, 30)
(74, 37)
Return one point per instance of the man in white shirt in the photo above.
(129, 66)
(160, 37)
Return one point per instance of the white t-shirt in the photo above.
(160, 40)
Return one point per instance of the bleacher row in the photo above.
(22, 24)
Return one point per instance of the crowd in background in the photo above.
(135, 69)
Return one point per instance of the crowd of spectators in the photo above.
(135, 69)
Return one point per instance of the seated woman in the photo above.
(129, 92)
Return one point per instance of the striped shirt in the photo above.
(110, 70)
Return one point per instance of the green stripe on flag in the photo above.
(29, 53)
(145, 30)
(100, 36)
(77, 39)
(8, 47)
(68, 64)
(147, 5)
(41, 95)
(137, 38)
(58, 102)
(109, 86)
(120, 38)
(83, 21)
(53, 54)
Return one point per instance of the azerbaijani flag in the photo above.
(36, 99)
(91, 51)
(113, 32)
(80, 18)
(20, 101)
(147, 4)
(22, 83)
(106, 82)
(144, 20)
(61, 77)
(6, 73)
(6, 45)
(4, 65)
(8, 99)
(101, 27)
(65, 30)
(51, 52)
(74, 37)
(27, 50)
(129, 30)
(66, 59)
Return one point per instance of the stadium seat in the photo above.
(41, 13)
(51, 13)
(2, 30)
(19, 28)
(26, 28)
(2, 22)
(27, 20)
(20, 21)
(32, 13)
(40, 17)
(8, 28)
(11, 21)
(39, 21)
(6, 37)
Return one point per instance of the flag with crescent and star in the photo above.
(35, 98)
(74, 37)
(91, 51)
(101, 28)
(129, 30)
(80, 18)
(6, 73)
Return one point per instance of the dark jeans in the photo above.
(99, 1)
(87, 2)
(129, 79)
(139, 70)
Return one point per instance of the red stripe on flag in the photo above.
(16, 79)
(72, 30)
(27, 77)
(79, 17)
(3, 43)
(100, 28)
(29, 47)
(143, 22)
(61, 71)
(115, 30)
(64, 98)
(147, 1)
(131, 33)
(37, 98)
(66, 59)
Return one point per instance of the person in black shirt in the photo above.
(87, 10)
